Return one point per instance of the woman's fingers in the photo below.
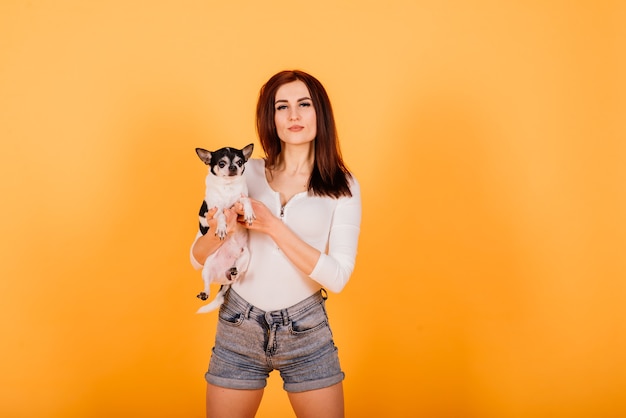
(211, 213)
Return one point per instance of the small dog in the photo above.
(225, 186)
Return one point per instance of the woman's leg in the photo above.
(232, 403)
(326, 402)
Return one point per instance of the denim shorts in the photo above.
(251, 343)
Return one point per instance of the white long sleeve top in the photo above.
(330, 225)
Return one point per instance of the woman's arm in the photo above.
(207, 244)
(301, 254)
(331, 270)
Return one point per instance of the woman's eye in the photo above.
(305, 104)
(281, 107)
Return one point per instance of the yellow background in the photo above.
(489, 140)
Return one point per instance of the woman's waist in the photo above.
(271, 292)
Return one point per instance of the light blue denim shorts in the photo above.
(251, 343)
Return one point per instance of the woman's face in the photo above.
(295, 117)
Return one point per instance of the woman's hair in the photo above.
(330, 176)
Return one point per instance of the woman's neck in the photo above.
(295, 161)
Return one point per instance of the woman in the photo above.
(303, 241)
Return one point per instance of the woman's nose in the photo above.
(293, 114)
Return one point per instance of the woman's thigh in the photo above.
(232, 403)
(326, 402)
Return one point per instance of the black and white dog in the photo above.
(225, 186)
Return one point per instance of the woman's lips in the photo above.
(296, 128)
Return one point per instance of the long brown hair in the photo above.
(330, 176)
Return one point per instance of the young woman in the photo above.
(303, 241)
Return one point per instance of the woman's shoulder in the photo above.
(353, 183)
(256, 162)
(256, 165)
(354, 188)
(255, 174)
(352, 179)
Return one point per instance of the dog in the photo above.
(225, 186)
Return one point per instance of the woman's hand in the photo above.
(264, 221)
(301, 254)
(231, 220)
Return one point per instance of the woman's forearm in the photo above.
(301, 254)
(208, 243)
(204, 246)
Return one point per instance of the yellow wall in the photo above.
(489, 140)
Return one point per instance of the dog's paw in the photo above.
(249, 218)
(202, 295)
(221, 233)
(231, 273)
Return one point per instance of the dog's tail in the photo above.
(215, 303)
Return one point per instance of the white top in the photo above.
(330, 225)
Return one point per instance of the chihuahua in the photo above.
(225, 186)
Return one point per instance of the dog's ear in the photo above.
(204, 155)
(247, 151)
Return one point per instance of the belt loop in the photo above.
(285, 317)
(324, 293)
(248, 310)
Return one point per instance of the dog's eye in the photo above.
(239, 163)
(222, 164)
